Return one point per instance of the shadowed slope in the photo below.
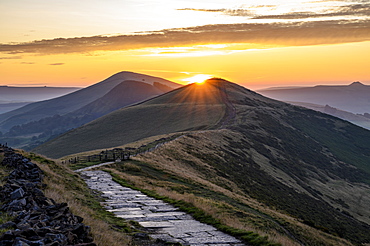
(193, 107)
(125, 93)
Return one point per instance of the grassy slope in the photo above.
(190, 108)
(193, 170)
(206, 166)
(65, 186)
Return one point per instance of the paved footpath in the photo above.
(162, 220)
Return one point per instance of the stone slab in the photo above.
(161, 224)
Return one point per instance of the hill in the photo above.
(362, 120)
(12, 98)
(125, 93)
(12, 94)
(35, 123)
(73, 101)
(260, 163)
(192, 107)
(353, 98)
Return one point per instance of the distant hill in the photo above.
(73, 101)
(362, 120)
(125, 93)
(37, 122)
(12, 94)
(12, 98)
(353, 98)
(6, 107)
(273, 166)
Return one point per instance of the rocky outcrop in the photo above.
(33, 218)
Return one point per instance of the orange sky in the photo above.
(276, 43)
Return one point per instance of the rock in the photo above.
(59, 238)
(18, 193)
(38, 220)
(20, 242)
(141, 235)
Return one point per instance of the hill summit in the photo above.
(192, 107)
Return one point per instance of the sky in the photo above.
(257, 44)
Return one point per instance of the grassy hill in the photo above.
(300, 176)
(193, 107)
(125, 93)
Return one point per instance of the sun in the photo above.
(199, 78)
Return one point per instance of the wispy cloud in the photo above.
(57, 64)
(10, 57)
(344, 8)
(231, 12)
(286, 34)
(27, 63)
(356, 10)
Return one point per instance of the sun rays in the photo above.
(199, 78)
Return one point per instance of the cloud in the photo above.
(231, 12)
(242, 11)
(356, 10)
(57, 64)
(10, 57)
(282, 34)
(27, 63)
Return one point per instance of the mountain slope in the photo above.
(125, 93)
(73, 101)
(312, 169)
(188, 108)
(353, 98)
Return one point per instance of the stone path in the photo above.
(162, 220)
(94, 166)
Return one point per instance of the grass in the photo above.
(78, 165)
(194, 169)
(83, 157)
(205, 201)
(65, 186)
(4, 217)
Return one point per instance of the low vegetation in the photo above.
(190, 207)
(190, 169)
(65, 186)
